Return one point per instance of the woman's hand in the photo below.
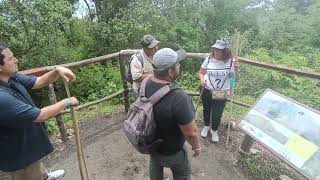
(203, 83)
(236, 63)
(201, 74)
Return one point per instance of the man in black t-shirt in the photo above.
(174, 116)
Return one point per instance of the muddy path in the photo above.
(111, 157)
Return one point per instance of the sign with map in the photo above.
(287, 128)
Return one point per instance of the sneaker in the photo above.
(205, 130)
(167, 173)
(215, 137)
(56, 175)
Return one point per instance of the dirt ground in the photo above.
(111, 157)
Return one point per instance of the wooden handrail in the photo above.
(107, 98)
(128, 52)
(125, 91)
(234, 101)
(43, 70)
(280, 68)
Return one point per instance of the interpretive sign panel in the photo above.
(287, 128)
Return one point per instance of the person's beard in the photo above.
(175, 77)
(17, 69)
(14, 72)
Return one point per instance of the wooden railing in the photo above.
(122, 56)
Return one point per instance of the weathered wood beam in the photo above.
(42, 70)
(60, 123)
(126, 98)
(95, 102)
(280, 68)
(235, 102)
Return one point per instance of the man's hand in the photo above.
(190, 131)
(54, 109)
(52, 75)
(196, 152)
(72, 101)
(66, 74)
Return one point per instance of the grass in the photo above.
(265, 167)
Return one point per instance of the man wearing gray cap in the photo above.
(141, 63)
(174, 117)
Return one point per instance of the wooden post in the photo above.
(124, 83)
(246, 144)
(237, 48)
(60, 123)
(228, 134)
(81, 158)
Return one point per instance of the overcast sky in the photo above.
(82, 8)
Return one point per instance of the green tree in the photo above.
(39, 32)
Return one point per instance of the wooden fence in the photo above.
(122, 56)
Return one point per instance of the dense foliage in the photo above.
(286, 32)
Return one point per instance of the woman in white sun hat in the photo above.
(215, 73)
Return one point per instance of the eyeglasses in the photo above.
(2, 47)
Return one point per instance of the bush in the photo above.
(96, 81)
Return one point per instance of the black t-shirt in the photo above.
(175, 109)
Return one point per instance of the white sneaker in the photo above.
(215, 137)
(205, 130)
(56, 175)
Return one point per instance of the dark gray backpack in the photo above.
(140, 126)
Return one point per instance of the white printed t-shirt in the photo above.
(218, 73)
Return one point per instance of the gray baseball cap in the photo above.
(221, 44)
(149, 41)
(165, 58)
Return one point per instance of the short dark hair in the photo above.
(163, 73)
(2, 47)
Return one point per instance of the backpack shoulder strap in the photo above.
(209, 58)
(140, 58)
(231, 62)
(161, 93)
(142, 91)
